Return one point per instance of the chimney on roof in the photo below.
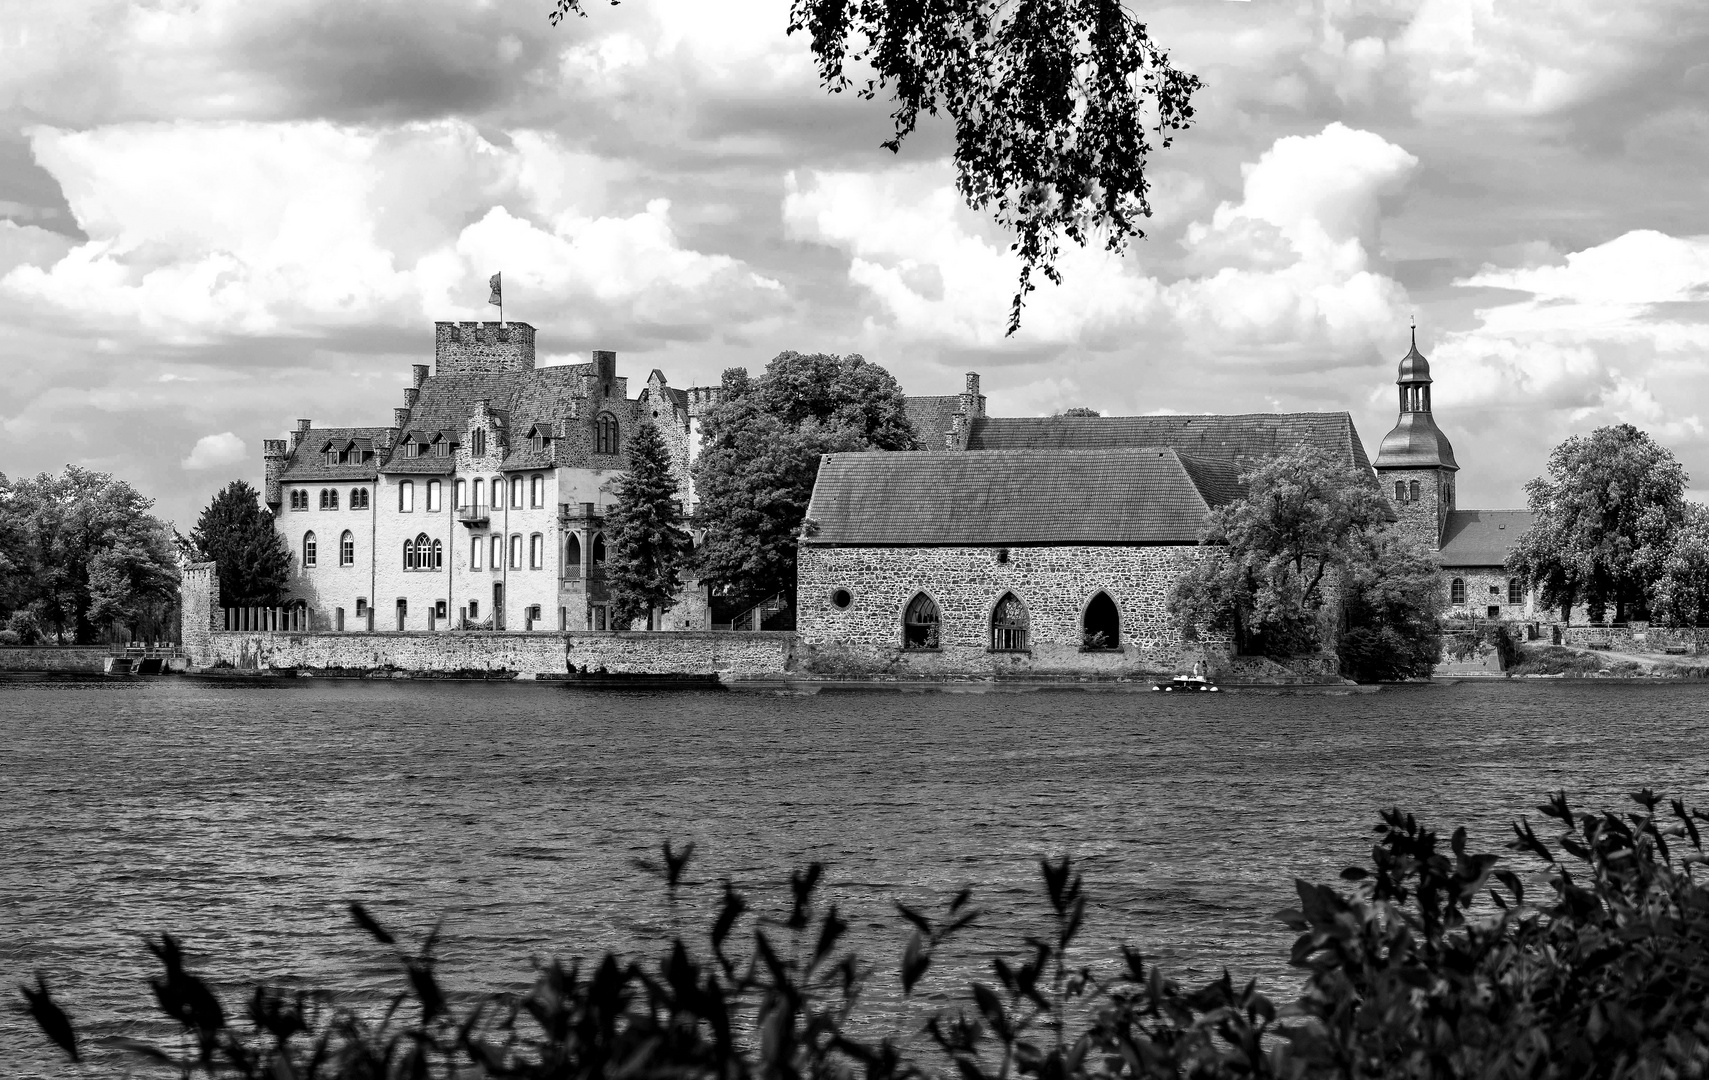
(419, 374)
(400, 417)
(301, 433)
(411, 394)
(605, 365)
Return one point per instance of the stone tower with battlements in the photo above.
(1415, 463)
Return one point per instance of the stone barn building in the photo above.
(1048, 546)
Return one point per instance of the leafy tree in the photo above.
(646, 542)
(1390, 609)
(1603, 517)
(1054, 105)
(1304, 518)
(1080, 410)
(1680, 595)
(83, 555)
(251, 560)
(759, 455)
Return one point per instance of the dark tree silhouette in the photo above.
(251, 559)
(647, 542)
(1057, 105)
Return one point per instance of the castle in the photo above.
(482, 505)
(1010, 545)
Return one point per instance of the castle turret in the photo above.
(480, 348)
(273, 455)
(1415, 462)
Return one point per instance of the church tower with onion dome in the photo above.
(1415, 463)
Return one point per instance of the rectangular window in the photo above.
(537, 492)
(599, 617)
(459, 491)
(497, 561)
(478, 443)
(433, 496)
(536, 551)
(516, 551)
(474, 553)
(439, 609)
(516, 493)
(361, 606)
(406, 497)
(480, 493)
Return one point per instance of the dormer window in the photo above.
(332, 457)
(442, 448)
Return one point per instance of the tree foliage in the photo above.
(1303, 519)
(1390, 609)
(1057, 105)
(1603, 518)
(79, 553)
(251, 560)
(1679, 595)
(1431, 960)
(759, 455)
(647, 544)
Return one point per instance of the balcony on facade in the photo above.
(474, 515)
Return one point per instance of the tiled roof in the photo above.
(425, 465)
(931, 417)
(1235, 437)
(307, 462)
(1482, 537)
(1120, 496)
(541, 394)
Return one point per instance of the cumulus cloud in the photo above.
(216, 451)
(1290, 265)
(198, 231)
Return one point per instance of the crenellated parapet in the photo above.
(482, 348)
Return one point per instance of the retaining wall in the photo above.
(1643, 638)
(660, 653)
(53, 658)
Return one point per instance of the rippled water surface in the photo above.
(245, 818)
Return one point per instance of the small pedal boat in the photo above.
(1188, 684)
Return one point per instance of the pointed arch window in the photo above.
(438, 555)
(422, 553)
(1009, 625)
(573, 557)
(309, 549)
(596, 553)
(1101, 625)
(605, 434)
(920, 623)
(347, 549)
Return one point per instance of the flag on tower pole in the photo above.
(497, 296)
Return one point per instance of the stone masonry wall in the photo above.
(52, 658)
(1055, 584)
(1421, 519)
(1486, 587)
(198, 603)
(704, 653)
(465, 347)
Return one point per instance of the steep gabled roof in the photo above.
(933, 418)
(1241, 437)
(1482, 537)
(1016, 497)
(307, 463)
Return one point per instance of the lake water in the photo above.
(245, 818)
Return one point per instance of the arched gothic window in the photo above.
(309, 551)
(438, 555)
(599, 550)
(347, 549)
(1457, 591)
(920, 623)
(1009, 625)
(1515, 590)
(605, 434)
(419, 553)
(1101, 625)
(573, 557)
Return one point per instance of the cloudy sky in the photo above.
(219, 215)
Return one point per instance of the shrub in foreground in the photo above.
(1430, 961)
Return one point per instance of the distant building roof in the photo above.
(933, 418)
(1026, 497)
(1241, 438)
(1482, 537)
